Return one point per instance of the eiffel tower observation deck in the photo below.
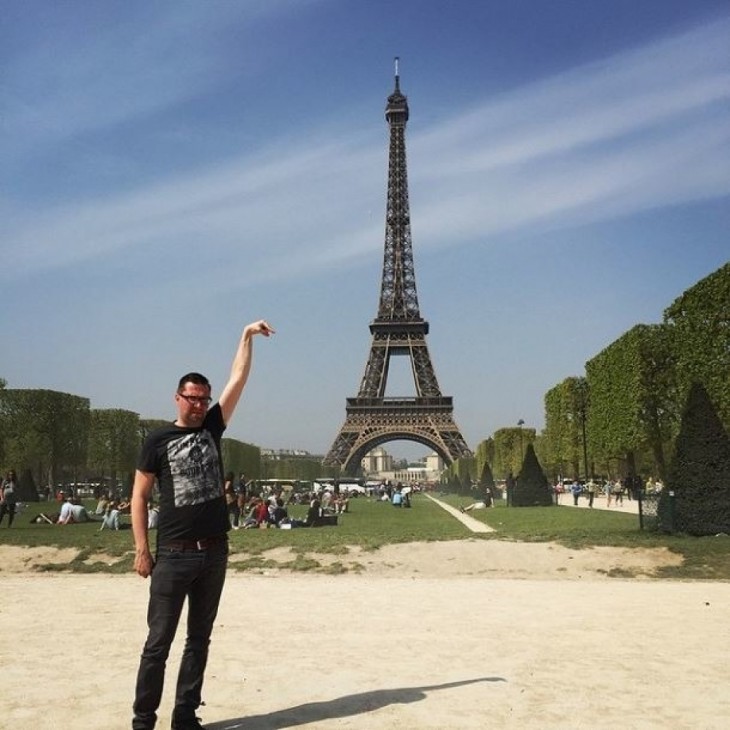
(397, 330)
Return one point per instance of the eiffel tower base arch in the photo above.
(427, 421)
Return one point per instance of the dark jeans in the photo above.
(10, 509)
(234, 514)
(197, 575)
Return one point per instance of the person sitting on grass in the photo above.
(102, 505)
(314, 513)
(111, 517)
(479, 504)
(71, 513)
(342, 502)
(327, 498)
(259, 513)
(277, 512)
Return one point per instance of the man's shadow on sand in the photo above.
(340, 707)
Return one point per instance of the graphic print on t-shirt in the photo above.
(194, 468)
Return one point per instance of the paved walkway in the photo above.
(473, 524)
(629, 505)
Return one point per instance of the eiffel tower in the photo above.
(372, 419)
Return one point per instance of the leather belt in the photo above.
(203, 544)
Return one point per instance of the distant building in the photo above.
(435, 464)
(379, 464)
(377, 461)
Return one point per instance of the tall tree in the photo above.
(633, 396)
(483, 454)
(696, 497)
(509, 449)
(700, 321)
(566, 413)
(47, 432)
(242, 458)
(114, 442)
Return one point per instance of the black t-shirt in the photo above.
(189, 469)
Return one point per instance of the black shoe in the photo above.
(192, 724)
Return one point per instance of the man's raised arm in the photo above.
(241, 367)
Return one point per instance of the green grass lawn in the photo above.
(370, 525)
(704, 557)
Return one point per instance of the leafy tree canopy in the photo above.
(700, 319)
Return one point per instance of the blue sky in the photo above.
(173, 170)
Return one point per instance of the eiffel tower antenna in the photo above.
(397, 330)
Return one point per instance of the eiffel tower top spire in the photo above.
(398, 295)
(397, 103)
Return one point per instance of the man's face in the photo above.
(192, 404)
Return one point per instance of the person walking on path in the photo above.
(191, 553)
(9, 497)
(576, 489)
(608, 488)
(591, 489)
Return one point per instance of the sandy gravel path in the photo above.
(428, 636)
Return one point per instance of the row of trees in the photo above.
(623, 415)
(53, 438)
(44, 432)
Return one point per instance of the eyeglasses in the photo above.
(196, 400)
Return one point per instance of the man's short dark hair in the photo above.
(195, 379)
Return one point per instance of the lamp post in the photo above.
(585, 446)
(520, 424)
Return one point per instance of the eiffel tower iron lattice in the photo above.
(398, 330)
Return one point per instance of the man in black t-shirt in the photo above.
(191, 553)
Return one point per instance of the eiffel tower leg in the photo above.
(341, 449)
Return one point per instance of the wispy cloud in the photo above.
(100, 71)
(642, 129)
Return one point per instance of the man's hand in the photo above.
(262, 327)
(143, 563)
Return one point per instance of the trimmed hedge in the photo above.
(532, 488)
(696, 498)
